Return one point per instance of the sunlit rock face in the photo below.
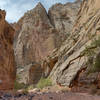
(63, 16)
(7, 64)
(36, 37)
(71, 60)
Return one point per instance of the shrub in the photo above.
(30, 87)
(96, 42)
(44, 82)
(25, 91)
(18, 85)
(91, 51)
(96, 65)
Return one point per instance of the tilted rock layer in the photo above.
(71, 60)
(37, 37)
(7, 65)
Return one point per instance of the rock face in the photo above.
(71, 59)
(37, 37)
(63, 17)
(30, 74)
(7, 65)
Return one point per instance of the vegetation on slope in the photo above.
(94, 57)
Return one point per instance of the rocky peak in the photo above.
(38, 9)
(36, 39)
(2, 14)
(39, 6)
(37, 13)
(64, 15)
(39, 35)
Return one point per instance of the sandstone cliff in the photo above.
(7, 65)
(63, 16)
(36, 37)
(72, 55)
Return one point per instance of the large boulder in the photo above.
(7, 64)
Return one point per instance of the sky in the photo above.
(16, 8)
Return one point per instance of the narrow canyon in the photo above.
(59, 47)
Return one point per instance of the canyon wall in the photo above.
(73, 62)
(37, 35)
(7, 62)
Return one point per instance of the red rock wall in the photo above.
(7, 65)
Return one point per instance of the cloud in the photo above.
(16, 8)
(4, 3)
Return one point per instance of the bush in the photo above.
(18, 85)
(96, 65)
(96, 42)
(44, 82)
(30, 87)
(91, 52)
(25, 91)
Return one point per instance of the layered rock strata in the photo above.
(7, 62)
(36, 36)
(71, 59)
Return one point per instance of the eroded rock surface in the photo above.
(7, 64)
(63, 16)
(71, 60)
(37, 37)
